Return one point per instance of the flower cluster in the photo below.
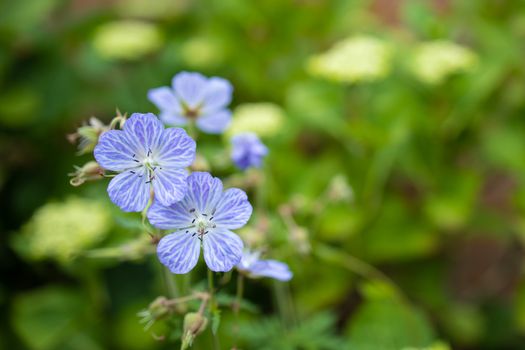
(150, 164)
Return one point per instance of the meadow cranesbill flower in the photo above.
(146, 156)
(204, 217)
(195, 98)
(247, 150)
(254, 267)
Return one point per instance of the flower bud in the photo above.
(339, 190)
(88, 172)
(194, 324)
(88, 135)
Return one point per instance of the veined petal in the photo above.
(172, 118)
(233, 209)
(204, 191)
(164, 98)
(169, 185)
(173, 217)
(217, 95)
(271, 268)
(114, 151)
(129, 190)
(222, 250)
(145, 130)
(190, 87)
(176, 149)
(215, 122)
(179, 251)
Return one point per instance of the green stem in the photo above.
(213, 307)
(284, 304)
(237, 308)
(171, 287)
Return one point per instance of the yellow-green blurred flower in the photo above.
(62, 230)
(264, 119)
(434, 61)
(127, 39)
(352, 60)
(202, 52)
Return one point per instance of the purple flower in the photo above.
(247, 150)
(193, 97)
(255, 268)
(204, 217)
(146, 156)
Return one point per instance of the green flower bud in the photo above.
(194, 324)
(88, 135)
(88, 172)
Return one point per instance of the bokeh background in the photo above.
(394, 187)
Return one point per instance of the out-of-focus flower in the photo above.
(88, 172)
(88, 135)
(62, 230)
(128, 40)
(205, 215)
(255, 267)
(352, 60)
(247, 150)
(147, 156)
(264, 119)
(340, 190)
(434, 61)
(202, 52)
(195, 98)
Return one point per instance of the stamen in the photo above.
(193, 221)
(192, 210)
(204, 214)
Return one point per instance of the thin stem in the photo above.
(213, 308)
(171, 287)
(284, 304)
(237, 307)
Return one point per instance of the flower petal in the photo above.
(222, 250)
(172, 118)
(204, 192)
(115, 152)
(190, 87)
(217, 95)
(179, 251)
(233, 209)
(170, 185)
(176, 149)
(216, 122)
(145, 130)
(173, 217)
(271, 268)
(164, 99)
(129, 190)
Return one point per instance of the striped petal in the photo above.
(217, 95)
(271, 268)
(233, 209)
(204, 191)
(179, 252)
(115, 152)
(176, 149)
(145, 130)
(164, 99)
(222, 250)
(170, 185)
(129, 190)
(173, 217)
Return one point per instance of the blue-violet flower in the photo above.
(254, 267)
(204, 217)
(146, 156)
(195, 98)
(247, 150)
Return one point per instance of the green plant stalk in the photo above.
(213, 307)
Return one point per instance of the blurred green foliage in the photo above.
(394, 187)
